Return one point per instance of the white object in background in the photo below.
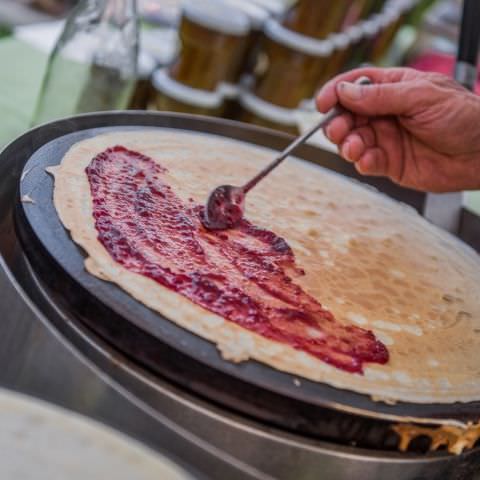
(166, 11)
(42, 36)
(161, 43)
(94, 62)
(39, 441)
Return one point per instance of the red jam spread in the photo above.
(245, 275)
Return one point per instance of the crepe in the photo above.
(372, 262)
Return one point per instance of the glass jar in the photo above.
(172, 96)
(93, 65)
(256, 111)
(365, 34)
(361, 10)
(317, 18)
(381, 41)
(342, 43)
(391, 21)
(289, 65)
(213, 39)
(143, 86)
(257, 16)
(277, 8)
(375, 7)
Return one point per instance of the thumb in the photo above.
(378, 99)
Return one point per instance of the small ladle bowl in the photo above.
(225, 208)
(226, 204)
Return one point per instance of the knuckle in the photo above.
(424, 91)
(367, 135)
(377, 93)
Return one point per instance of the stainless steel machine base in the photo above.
(40, 360)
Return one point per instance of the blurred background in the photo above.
(257, 61)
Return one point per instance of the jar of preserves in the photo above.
(375, 7)
(143, 87)
(213, 37)
(172, 96)
(391, 21)
(365, 34)
(318, 18)
(256, 111)
(277, 8)
(257, 16)
(342, 44)
(361, 10)
(389, 24)
(289, 65)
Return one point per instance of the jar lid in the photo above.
(257, 15)
(217, 15)
(340, 41)
(388, 17)
(406, 5)
(183, 93)
(266, 110)
(399, 6)
(310, 46)
(372, 27)
(355, 32)
(275, 7)
(228, 90)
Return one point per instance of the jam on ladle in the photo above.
(225, 204)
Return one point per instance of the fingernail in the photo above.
(328, 132)
(346, 151)
(350, 90)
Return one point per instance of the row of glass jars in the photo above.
(320, 18)
(288, 67)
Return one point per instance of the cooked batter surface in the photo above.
(241, 274)
(372, 268)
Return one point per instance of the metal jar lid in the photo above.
(340, 41)
(400, 6)
(163, 83)
(355, 33)
(389, 17)
(310, 46)
(229, 91)
(217, 15)
(268, 111)
(372, 26)
(257, 15)
(275, 7)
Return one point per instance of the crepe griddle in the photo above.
(250, 387)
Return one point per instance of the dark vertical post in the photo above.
(466, 66)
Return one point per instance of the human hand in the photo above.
(422, 130)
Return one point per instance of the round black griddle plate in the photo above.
(139, 331)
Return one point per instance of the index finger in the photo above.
(327, 97)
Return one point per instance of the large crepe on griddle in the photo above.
(372, 262)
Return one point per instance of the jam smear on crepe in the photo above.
(245, 275)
